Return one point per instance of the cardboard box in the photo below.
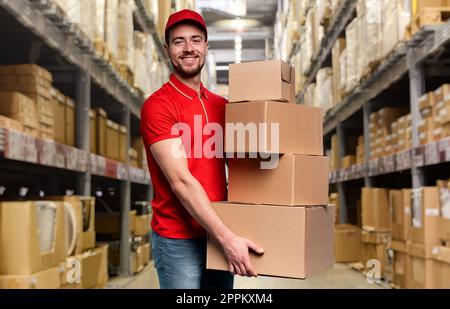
(298, 242)
(22, 250)
(421, 274)
(60, 119)
(100, 125)
(297, 180)
(10, 124)
(146, 253)
(142, 227)
(92, 131)
(374, 246)
(425, 214)
(443, 229)
(348, 161)
(272, 80)
(103, 275)
(123, 144)
(335, 153)
(400, 214)
(402, 263)
(113, 138)
(347, 243)
(91, 266)
(70, 122)
(375, 209)
(300, 128)
(19, 107)
(109, 223)
(45, 279)
(441, 267)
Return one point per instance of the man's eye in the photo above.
(178, 42)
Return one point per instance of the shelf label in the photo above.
(432, 154)
(30, 149)
(14, 145)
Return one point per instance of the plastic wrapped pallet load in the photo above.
(308, 46)
(343, 79)
(125, 37)
(338, 47)
(87, 18)
(71, 8)
(370, 13)
(324, 93)
(396, 18)
(99, 24)
(111, 26)
(351, 34)
(142, 61)
(310, 94)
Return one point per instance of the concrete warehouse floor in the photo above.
(339, 277)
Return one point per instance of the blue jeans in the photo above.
(181, 264)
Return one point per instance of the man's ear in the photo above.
(207, 47)
(166, 50)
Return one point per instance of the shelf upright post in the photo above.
(416, 89)
(125, 204)
(82, 135)
(367, 110)
(341, 185)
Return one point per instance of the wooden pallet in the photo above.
(394, 286)
(430, 16)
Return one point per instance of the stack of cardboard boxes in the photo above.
(400, 218)
(425, 214)
(53, 247)
(34, 82)
(381, 130)
(375, 235)
(281, 203)
(434, 110)
(108, 230)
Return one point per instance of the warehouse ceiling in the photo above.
(255, 29)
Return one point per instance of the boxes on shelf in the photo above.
(307, 230)
(299, 128)
(69, 117)
(133, 155)
(100, 125)
(375, 209)
(334, 200)
(441, 267)
(44, 279)
(22, 250)
(59, 106)
(323, 96)
(338, 47)
(9, 123)
(374, 247)
(142, 225)
(123, 143)
(348, 161)
(425, 214)
(109, 223)
(19, 107)
(402, 263)
(335, 159)
(263, 80)
(400, 210)
(297, 180)
(347, 243)
(92, 131)
(93, 266)
(84, 212)
(113, 138)
(421, 267)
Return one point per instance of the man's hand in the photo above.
(236, 251)
(194, 198)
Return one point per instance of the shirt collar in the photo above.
(185, 90)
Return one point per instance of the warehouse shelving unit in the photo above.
(343, 16)
(37, 31)
(413, 64)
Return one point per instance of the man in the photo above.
(184, 186)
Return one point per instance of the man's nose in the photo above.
(188, 47)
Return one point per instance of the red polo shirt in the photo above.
(176, 103)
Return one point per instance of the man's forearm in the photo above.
(194, 198)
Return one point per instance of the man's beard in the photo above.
(187, 74)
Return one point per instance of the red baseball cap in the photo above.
(185, 16)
